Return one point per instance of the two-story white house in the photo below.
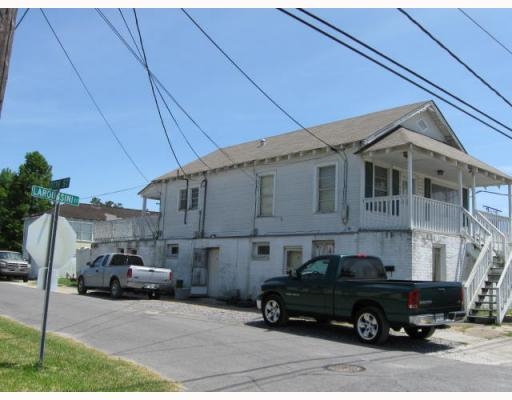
(396, 183)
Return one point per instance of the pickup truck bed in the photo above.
(356, 289)
(120, 272)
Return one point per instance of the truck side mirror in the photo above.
(389, 269)
(88, 263)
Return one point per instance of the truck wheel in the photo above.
(274, 311)
(420, 333)
(116, 291)
(371, 326)
(81, 286)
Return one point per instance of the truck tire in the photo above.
(81, 286)
(274, 311)
(371, 325)
(116, 291)
(420, 333)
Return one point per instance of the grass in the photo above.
(66, 282)
(68, 366)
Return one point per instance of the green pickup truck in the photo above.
(356, 289)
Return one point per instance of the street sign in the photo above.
(69, 199)
(60, 183)
(49, 194)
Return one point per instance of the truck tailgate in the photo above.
(439, 296)
(150, 275)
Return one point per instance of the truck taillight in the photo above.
(129, 273)
(413, 299)
(170, 275)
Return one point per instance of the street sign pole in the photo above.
(49, 265)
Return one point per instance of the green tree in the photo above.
(16, 201)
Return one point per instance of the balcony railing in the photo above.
(394, 213)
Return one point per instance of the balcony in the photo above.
(394, 213)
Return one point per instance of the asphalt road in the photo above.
(208, 348)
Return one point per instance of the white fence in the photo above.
(144, 227)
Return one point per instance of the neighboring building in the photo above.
(96, 223)
(397, 183)
(7, 24)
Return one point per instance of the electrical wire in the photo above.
(130, 32)
(114, 192)
(163, 87)
(91, 97)
(162, 99)
(154, 94)
(339, 41)
(258, 87)
(21, 19)
(451, 53)
(409, 70)
(486, 31)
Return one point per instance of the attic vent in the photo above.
(423, 125)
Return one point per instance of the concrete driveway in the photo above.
(212, 348)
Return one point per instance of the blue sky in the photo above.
(314, 79)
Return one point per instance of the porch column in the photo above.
(409, 186)
(509, 212)
(473, 196)
(461, 200)
(144, 205)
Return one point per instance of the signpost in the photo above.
(54, 195)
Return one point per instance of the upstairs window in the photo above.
(266, 198)
(377, 181)
(326, 188)
(194, 199)
(183, 199)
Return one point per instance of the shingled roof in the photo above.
(91, 212)
(334, 133)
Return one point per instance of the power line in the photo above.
(154, 94)
(162, 97)
(485, 30)
(393, 61)
(91, 96)
(255, 84)
(22, 18)
(162, 86)
(455, 56)
(339, 41)
(130, 32)
(114, 192)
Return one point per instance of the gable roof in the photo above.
(401, 138)
(336, 134)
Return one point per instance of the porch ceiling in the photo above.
(431, 156)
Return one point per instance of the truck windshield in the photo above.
(10, 255)
(362, 268)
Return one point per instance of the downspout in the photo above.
(344, 205)
(186, 206)
(204, 184)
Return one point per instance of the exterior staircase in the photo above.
(484, 308)
(488, 288)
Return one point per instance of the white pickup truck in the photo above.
(119, 272)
